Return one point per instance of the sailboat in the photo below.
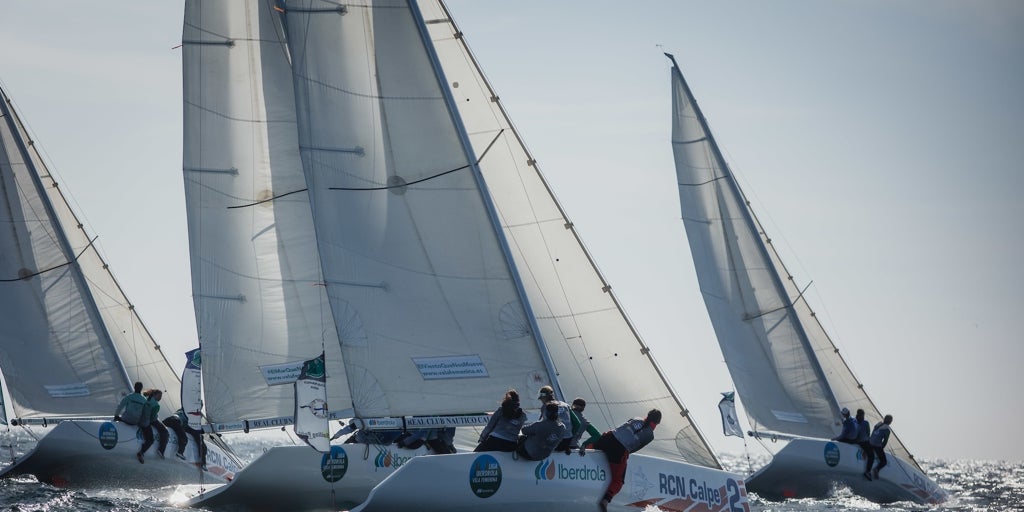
(789, 374)
(592, 347)
(258, 290)
(439, 288)
(71, 343)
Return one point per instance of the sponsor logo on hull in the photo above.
(387, 459)
(485, 476)
(681, 493)
(831, 454)
(108, 435)
(334, 464)
(548, 469)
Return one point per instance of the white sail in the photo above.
(595, 349)
(426, 301)
(71, 343)
(787, 370)
(259, 300)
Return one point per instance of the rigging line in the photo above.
(421, 180)
(787, 306)
(268, 199)
(79, 255)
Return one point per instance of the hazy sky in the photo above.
(881, 142)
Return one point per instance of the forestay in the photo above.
(71, 343)
(787, 370)
(259, 298)
(596, 351)
(425, 298)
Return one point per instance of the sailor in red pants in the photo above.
(619, 443)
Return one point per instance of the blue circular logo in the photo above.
(831, 454)
(334, 464)
(485, 476)
(108, 435)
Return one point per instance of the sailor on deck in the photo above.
(134, 410)
(619, 443)
(502, 431)
(540, 438)
(565, 414)
(849, 433)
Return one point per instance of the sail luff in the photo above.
(753, 348)
(485, 196)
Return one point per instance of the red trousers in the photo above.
(618, 475)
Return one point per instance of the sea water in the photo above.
(973, 485)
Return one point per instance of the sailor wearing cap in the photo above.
(849, 433)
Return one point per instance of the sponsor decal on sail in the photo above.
(451, 367)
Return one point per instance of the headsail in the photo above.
(259, 298)
(787, 370)
(71, 343)
(595, 349)
(426, 300)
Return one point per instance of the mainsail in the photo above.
(259, 299)
(787, 370)
(595, 349)
(426, 299)
(71, 343)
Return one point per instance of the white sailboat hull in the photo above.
(71, 455)
(291, 478)
(813, 468)
(567, 483)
